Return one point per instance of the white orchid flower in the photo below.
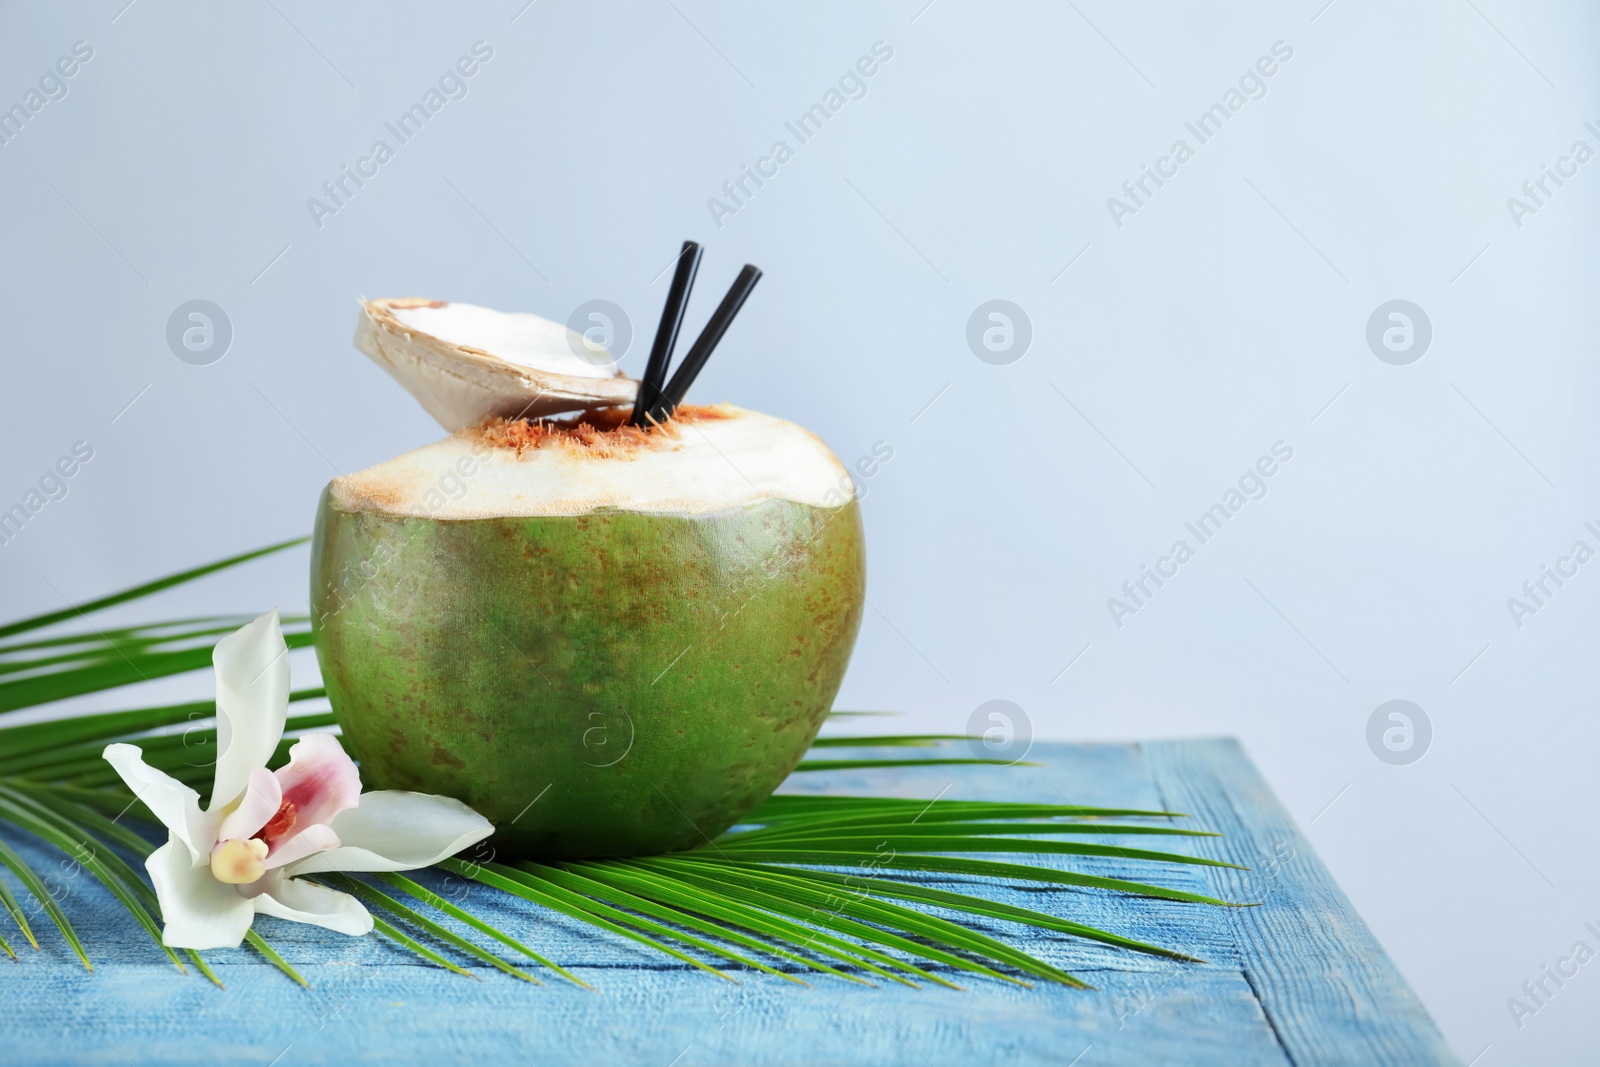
(243, 854)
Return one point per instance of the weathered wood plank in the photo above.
(373, 1003)
(410, 1014)
(1329, 990)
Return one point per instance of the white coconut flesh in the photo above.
(712, 460)
(466, 363)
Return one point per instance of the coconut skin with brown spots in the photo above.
(608, 684)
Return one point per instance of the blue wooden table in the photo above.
(1299, 980)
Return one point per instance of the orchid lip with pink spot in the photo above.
(243, 854)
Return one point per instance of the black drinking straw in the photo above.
(718, 325)
(655, 371)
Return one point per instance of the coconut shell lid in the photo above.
(466, 364)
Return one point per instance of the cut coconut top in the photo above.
(467, 363)
(711, 459)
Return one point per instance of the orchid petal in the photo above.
(252, 667)
(398, 831)
(174, 804)
(197, 910)
(262, 798)
(307, 902)
(319, 780)
(307, 842)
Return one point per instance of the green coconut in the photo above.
(606, 640)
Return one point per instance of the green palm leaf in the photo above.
(529, 889)
(887, 740)
(577, 883)
(432, 899)
(809, 884)
(844, 915)
(970, 904)
(417, 919)
(92, 854)
(9, 901)
(722, 914)
(113, 671)
(36, 888)
(140, 591)
(863, 764)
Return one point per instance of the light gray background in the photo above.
(1228, 314)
